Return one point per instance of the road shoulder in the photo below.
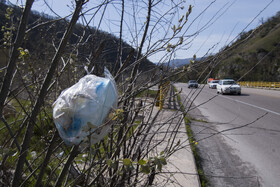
(180, 169)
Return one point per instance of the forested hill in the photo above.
(46, 32)
(258, 49)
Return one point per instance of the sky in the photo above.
(218, 21)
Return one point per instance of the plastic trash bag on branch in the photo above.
(80, 110)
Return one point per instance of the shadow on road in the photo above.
(172, 100)
(237, 95)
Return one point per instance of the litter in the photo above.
(80, 110)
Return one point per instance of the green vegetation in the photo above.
(44, 62)
(198, 160)
(199, 120)
(48, 54)
(266, 43)
(39, 142)
(256, 51)
(193, 145)
(148, 93)
(41, 48)
(254, 56)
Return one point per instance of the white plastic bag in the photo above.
(80, 110)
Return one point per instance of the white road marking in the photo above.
(255, 106)
(267, 110)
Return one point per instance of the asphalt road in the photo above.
(238, 136)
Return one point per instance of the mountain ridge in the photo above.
(41, 40)
(177, 63)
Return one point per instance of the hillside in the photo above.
(256, 54)
(177, 63)
(44, 37)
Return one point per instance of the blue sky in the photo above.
(230, 17)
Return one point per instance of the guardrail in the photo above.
(260, 84)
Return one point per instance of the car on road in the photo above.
(192, 84)
(228, 86)
(213, 84)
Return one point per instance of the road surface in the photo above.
(238, 136)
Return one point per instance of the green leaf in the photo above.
(163, 161)
(157, 161)
(126, 161)
(142, 162)
(109, 162)
(145, 169)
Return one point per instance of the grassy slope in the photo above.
(267, 42)
(240, 59)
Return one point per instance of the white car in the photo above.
(213, 84)
(228, 86)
